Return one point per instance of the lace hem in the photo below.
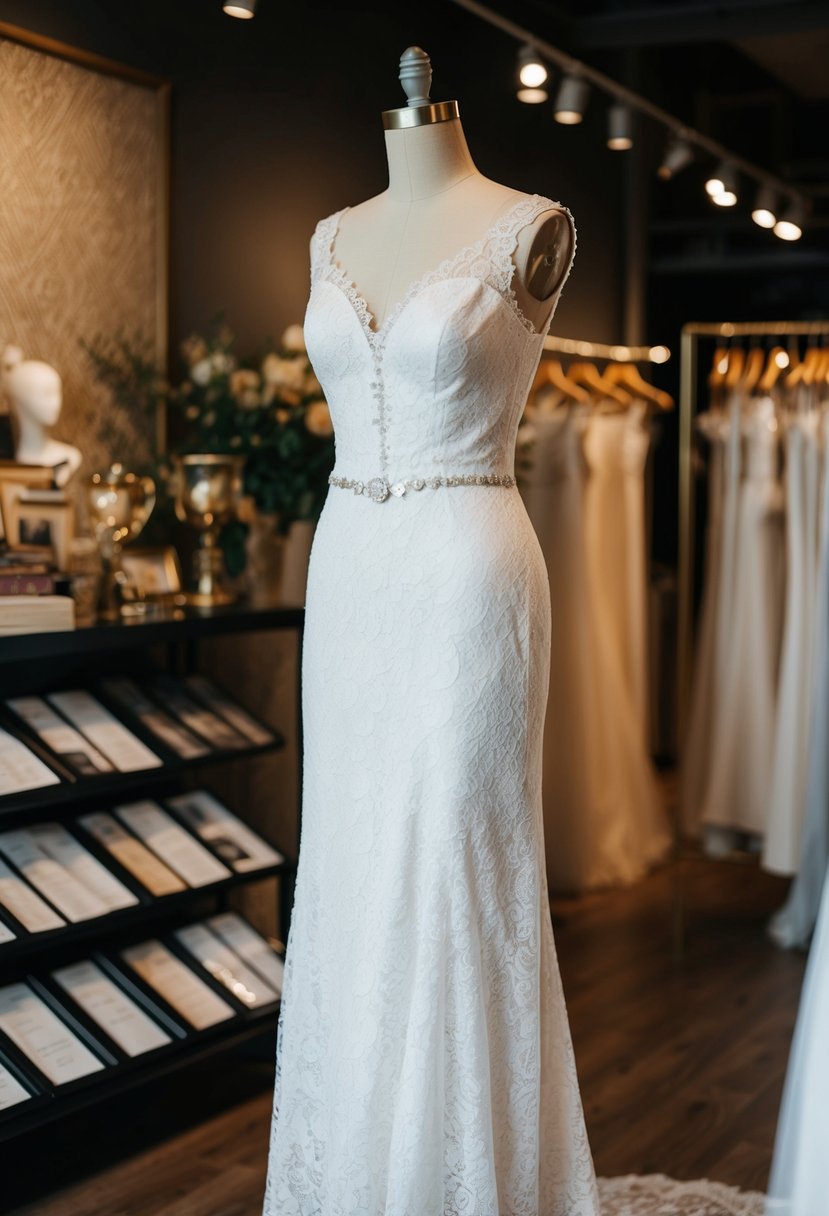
(489, 259)
(656, 1195)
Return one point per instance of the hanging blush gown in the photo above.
(424, 1059)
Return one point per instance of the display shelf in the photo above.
(189, 624)
(101, 928)
(118, 1080)
(114, 786)
(39, 663)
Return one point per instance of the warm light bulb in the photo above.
(782, 359)
(243, 9)
(726, 198)
(532, 96)
(532, 71)
(659, 354)
(790, 225)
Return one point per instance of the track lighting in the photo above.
(239, 8)
(678, 155)
(790, 225)
(764, 212)
(619, 128)
(532, 71)
(571, 101)
(532, 97)
(726, 178)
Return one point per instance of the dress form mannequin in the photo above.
(34, 392)
(437, 201)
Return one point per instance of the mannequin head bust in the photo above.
(33, 388)
(35, 394)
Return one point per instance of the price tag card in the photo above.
(225, 966)
(230, 710)
(126, 1023)
(43, 1037)
(227, 835)
(20, 769)
(134, 856)
(50, 878)
(77, 753)
(194, 1000)
(249, 945)
(172, 843)
(25, 905)
(63, 848)
(105, 732)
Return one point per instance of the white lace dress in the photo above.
(424, 1061)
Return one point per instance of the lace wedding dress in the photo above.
(424, 1060)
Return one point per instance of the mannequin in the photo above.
(437, 202)
(35, 395)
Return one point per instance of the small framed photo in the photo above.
(41, 520)
(155, 572)
(14, 479)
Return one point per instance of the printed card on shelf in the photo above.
(49, 877)
(250, 946)
(6, 934)
(104, 731)
(43, 1037)
(134, 856)
(128, 694)
(25, 905)
(63, 848)
(172, 843)
(77, 753)
(124, 1021)
(21, 769)
(227, 835)
(226, 966)
(218, 733)
(181, 988)
(234, 713)
(11, 1091)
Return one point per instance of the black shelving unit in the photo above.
(39, 663)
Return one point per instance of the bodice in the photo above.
(439, 387)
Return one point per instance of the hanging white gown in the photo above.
(748, 632)
(787, 795)
(798, 1184)
(792, 925)
(634, 827)
(696, 754)
(424, 1060)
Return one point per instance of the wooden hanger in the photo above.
(719, 366)
(550, 371)
(736, 366)
(774, 368)
(628, 376)
(589, 375)
(754, 365)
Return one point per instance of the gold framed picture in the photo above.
(154, 572)
(14, 479)
(42, 520)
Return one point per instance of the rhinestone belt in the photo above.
(379, 488)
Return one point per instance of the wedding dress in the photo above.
(424, 1059)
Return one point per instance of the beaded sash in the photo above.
(378, 489)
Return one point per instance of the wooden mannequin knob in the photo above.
(416, 75)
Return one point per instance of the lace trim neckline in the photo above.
(523, 208)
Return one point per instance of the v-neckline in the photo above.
(377, 334)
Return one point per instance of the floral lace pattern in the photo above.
(656, 1195)
(424, 1059)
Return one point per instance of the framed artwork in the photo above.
(84, 230)
(155, 572)
(14, 479)
(35, 521)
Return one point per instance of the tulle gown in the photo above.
(424, 1060)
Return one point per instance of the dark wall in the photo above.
(276, 122)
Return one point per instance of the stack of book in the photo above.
(28, 599)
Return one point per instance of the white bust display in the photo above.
(34, 393)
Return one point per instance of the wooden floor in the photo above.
(681, 1066)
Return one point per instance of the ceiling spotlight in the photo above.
(790, 225)
(571, 101)
(764, 212)
(240, 8)
(619, 128)
(532, 96)
(678, 155)
(532, 71)
(726, 177)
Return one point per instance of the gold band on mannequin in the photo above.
(419, 116)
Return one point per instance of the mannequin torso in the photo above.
(437, 202)
(35, 394)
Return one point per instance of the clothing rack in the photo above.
(688, 390)
(727, 332)
(598, 350)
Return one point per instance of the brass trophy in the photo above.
(120, 504)
(208, 489)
